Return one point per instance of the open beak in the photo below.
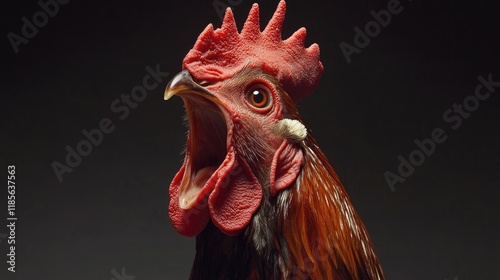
(183, 83)
(206, 146)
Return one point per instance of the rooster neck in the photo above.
(307, 231)
(323, 233)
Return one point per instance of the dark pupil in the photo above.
(258, 97)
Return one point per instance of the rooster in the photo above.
(254, 188)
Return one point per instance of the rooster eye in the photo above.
(258, 97)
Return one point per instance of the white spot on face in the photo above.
(293, 130)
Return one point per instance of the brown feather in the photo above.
(323, 232)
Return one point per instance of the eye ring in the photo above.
(258, 97)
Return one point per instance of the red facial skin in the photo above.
(228, 191)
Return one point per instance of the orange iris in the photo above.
(258, 97)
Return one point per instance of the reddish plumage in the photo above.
(255, 189)
(331, 241)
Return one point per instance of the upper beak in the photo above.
(183, 83)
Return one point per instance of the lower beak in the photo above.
(183, 83)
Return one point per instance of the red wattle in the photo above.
(236, 197)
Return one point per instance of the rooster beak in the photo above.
(183, 83)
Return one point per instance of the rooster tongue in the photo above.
(192, 190)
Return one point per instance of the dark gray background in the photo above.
(111, 211)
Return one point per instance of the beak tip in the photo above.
(168, 93)
(183, 83)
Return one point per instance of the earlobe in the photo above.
(292, 130)
(286, 166)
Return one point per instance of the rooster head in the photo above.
(245, 134)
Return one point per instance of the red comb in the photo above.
(219, 54)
